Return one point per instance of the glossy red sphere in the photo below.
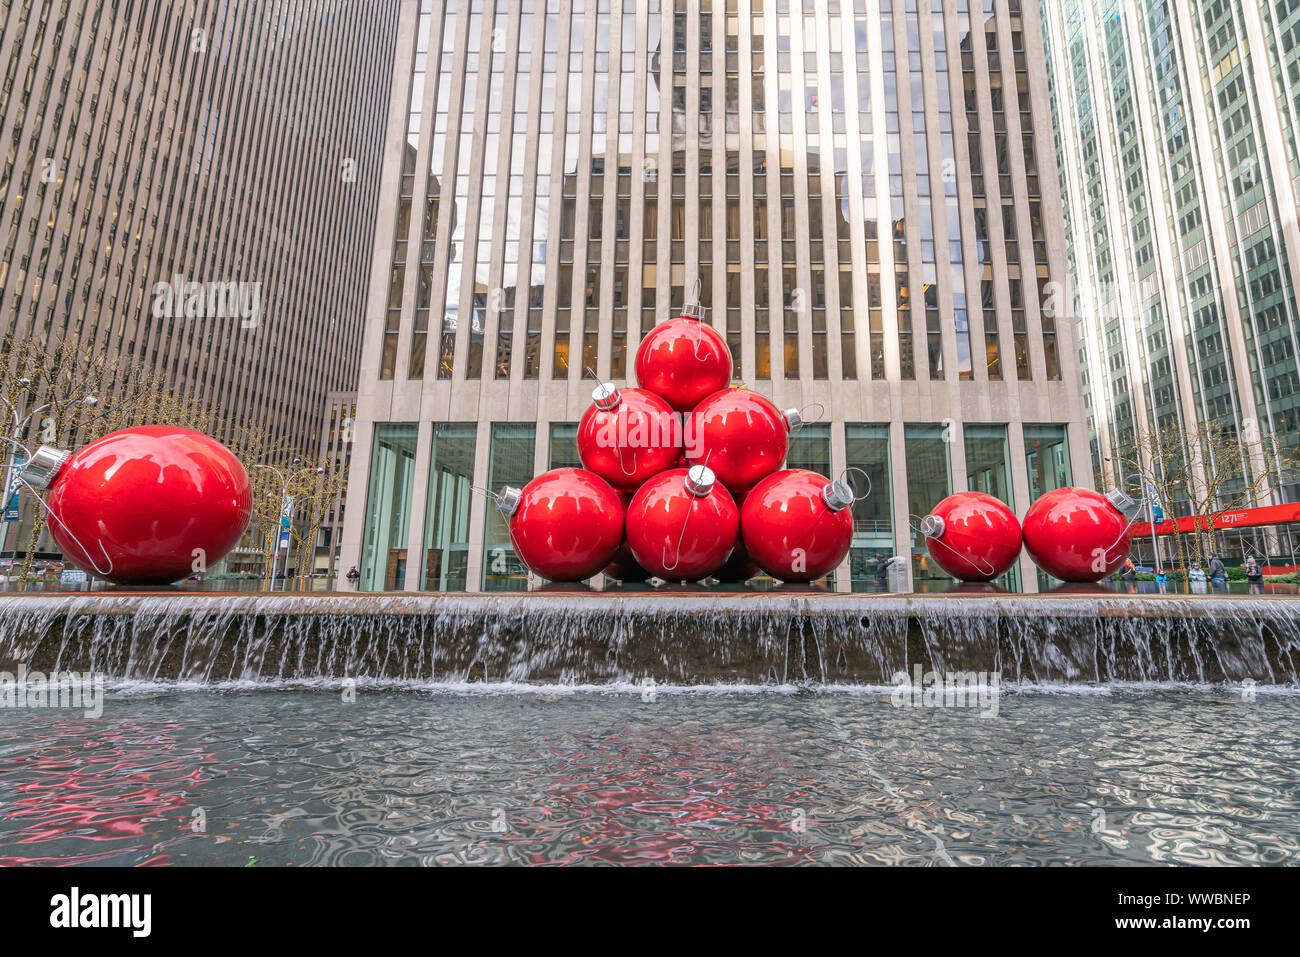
(624, 567)
(1076, 535)
(677, 535)
(789, 530)
(637, 438)
(150, 505)
(739, 567)
(568, 525)
(740, 435)
(683, 360)
(980, 538)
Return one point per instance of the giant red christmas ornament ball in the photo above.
(740, 435)
(798, 525)
(566, 524)
(972, 536)
(682, 524)
(1078, 535)
(144, 506)
(628, 435)
(683, 360)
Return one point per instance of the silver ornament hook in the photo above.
(706, 479)
(919, 527)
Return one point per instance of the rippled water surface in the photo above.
(299, 776)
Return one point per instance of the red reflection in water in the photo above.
(103, 790)
(676, 801)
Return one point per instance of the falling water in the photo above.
(682, 638)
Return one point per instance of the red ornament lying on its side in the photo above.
(566, 524)
(798, 525)
(628, 435)
(682, 524)
(144, 506)
(1078, 535)
(740, 435)
(972, 536)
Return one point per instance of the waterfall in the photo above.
(672, 638)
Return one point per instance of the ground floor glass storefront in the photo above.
(451, 559)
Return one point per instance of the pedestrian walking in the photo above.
(1218, 574)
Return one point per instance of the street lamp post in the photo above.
(284, 501)
(284, 495)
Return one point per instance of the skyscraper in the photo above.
(1176, 129)
(194, 185)
(864, 191)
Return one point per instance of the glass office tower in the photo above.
(1176, 132)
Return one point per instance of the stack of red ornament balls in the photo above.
(681, 480)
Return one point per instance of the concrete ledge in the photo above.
(678, 636)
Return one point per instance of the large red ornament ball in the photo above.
(566, 524)
(740, 435)
(682, 524)
(149, 505)
(972, 536)
(628, 435)
(798, 525)
(1076, 535)
(683, 360)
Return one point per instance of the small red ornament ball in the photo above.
(739, 567)
(972, 536)
(566, 524)
(740, 435)
(798, 525)
(149, 505)
(628, 435)
(682, 525)
(624, 567)
(682, 361)
(1076, 535)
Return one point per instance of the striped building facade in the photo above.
(194, 184)
(865, 191)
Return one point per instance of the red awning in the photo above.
(1237, 518)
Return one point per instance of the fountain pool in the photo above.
(683, 727)
(294, 774)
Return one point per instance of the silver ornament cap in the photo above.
(606, 396)
(932, 526)
(44, 467)
(699, 480)
(1123, 503)
(508, 500)
(837, 495)
(793, 420)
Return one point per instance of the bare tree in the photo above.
(64, 394)
(1211, 469)
(316, 485)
